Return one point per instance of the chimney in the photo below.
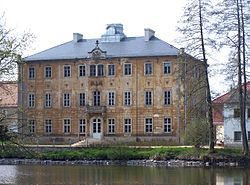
(148, 34)
(182, 51)
(77, 37)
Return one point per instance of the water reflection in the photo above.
(125, 175)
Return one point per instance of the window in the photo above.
(167, 67)
(66, 99)
(148, 125)
(48, 126)
(111, 69)
(48, 100)
(127, 125)
(148, 98)
(237, 136)
(111, 98)
(96, 98)
(127, 98)
(31, 100)
(32, 126)
(81, 70)
(48, 72)
(82, 126)
(66, 126)
(82, 99)
(167, 98)
(148, 69)
(100, 70)
(92, 70)
(167, 125)
(31, 72)
(111, 126)
(67, 71)
(236, 113)
(127, 69)
(248, 113)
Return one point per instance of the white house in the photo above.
(227, 112)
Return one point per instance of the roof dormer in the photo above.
(114, 33)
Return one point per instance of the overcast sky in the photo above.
(53, 22)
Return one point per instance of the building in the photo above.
(227, 117)
(9, 105)
(113, 88)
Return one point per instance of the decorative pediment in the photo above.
(97, 53)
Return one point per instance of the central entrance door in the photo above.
(96, 123)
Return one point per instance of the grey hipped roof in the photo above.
(127, 47)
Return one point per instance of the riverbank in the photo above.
(159, 156)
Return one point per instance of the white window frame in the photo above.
(47, 100)
(66, 99)
(48, 126)
(47, 72)
(169, 68)
(32, 72)
(82, 102)
(110, 71)
(111, 126)
(32, 126)
(67, 71)
(167, 97)
(66, 125)
(127, 125)
(145, 68)
(167, 125)
(96, 98)
(82, 126)
(31, 100)
(148, 98)
(125, 71)
(111, 98)
(81, 70)
(127, 98)
(149, 126)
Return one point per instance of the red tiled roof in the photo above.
(223, 98)
(218, 104)
(8, 94)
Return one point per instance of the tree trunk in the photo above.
(241, 97)
(208, 94)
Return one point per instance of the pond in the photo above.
(121, 175)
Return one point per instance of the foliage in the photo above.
(11, 50)
(196, 133)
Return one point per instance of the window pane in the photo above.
(111, 69)
(167, 68)
(67, 71)
(237, 136)
(148, 98)
(92, 70)
(82, 126)
(111, 126)
(148, 125)
(66, 125)
(148, 69)
(127, 69)
(48, 72)
(82, 99)
(127, 98)
(167, 98)
(81, 70)
(236, 113)
(96, 98)
(167, 125)
(66, 99)
(111, 98)
(100, 68)
(31, 72)
(127, 125)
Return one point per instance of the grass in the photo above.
(124, 153)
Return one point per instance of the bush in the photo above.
(196, 133)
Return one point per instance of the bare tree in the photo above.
(194, 26)
(12, 46)
(230, 29)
